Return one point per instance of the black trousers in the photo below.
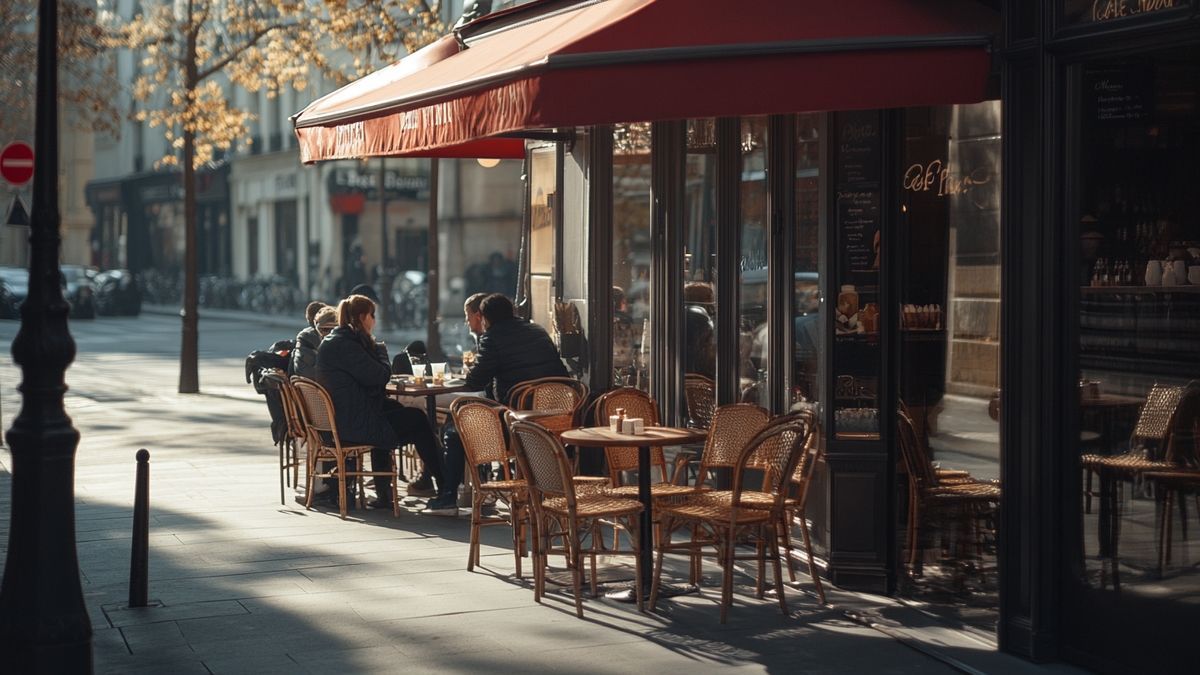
(411, 426)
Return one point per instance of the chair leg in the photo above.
(341, 481)
(777, 564)
(727, 576)
(656, 579)
(395, 482)
(760, 560)
(514, 514)
(637, 562)
(310, 481)
(282, 469)
(473, 546)
(785, 527)
(595, 536)
(576, 568)
(812, 566)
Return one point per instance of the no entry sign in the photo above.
(16, 163)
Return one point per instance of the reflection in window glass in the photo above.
(543, 186)
(806, 297)
(753, 226)
(700, 262)
(1139, 327)
(631, 255)
(950, 352)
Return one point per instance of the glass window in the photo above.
(949, 355)
(806, 298)
(543, 188)
(753, 228)
(700, 250)
(631, 255)
(1139, 327)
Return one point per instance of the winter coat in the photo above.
(355, 374)
(510, 352)
(304, 356)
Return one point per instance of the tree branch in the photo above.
(253, 40)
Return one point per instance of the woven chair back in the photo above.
(636, 403)
(732, 428)
(549, 394)
(317, 407)
(1158, 412)
(542, 460)
(277, 379)
(480, 425)
(700, 395)
(810, 458)
(775, 451)
(917, 461)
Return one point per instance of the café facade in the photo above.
(981, 213)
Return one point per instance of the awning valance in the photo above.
(554, 64)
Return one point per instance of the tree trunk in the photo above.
(189, 375)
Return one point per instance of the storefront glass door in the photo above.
(631, 256)
(1133, 571)
(948, 360)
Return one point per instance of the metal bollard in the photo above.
(139, 563)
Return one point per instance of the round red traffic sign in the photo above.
(16, 163)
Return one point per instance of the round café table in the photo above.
(603, 437)
(405, 387)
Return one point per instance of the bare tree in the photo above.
(188, 49)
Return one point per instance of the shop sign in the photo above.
(396, 185)
(942, 179)
(1096, 11)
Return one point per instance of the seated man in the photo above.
(511, 350)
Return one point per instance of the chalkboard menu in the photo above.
(1119, 94)
(857, 360)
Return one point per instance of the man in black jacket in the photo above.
(511, 350)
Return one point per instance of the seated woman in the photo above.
(354, 369)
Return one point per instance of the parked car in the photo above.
(117, 293)
(79, 291)
(16, 285)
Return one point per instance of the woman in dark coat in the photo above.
(354, 369)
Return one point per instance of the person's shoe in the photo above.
(380, 503)
(422, 487)
(442, 506)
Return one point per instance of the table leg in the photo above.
(646, 524)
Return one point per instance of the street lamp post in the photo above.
(44, 625)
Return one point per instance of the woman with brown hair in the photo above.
(353, 367)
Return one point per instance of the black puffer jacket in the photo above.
(304, 356)
(355, 376)
(510, 352)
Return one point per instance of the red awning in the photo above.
(555, 64)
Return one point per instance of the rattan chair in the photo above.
(636, 403)
(727, 519)
(1152, 452)
(294, 434)
(559, 397)
(480, 425)
(325, 444)
(956, 502)
(561, 514)
(795, 509)
(701, 398)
